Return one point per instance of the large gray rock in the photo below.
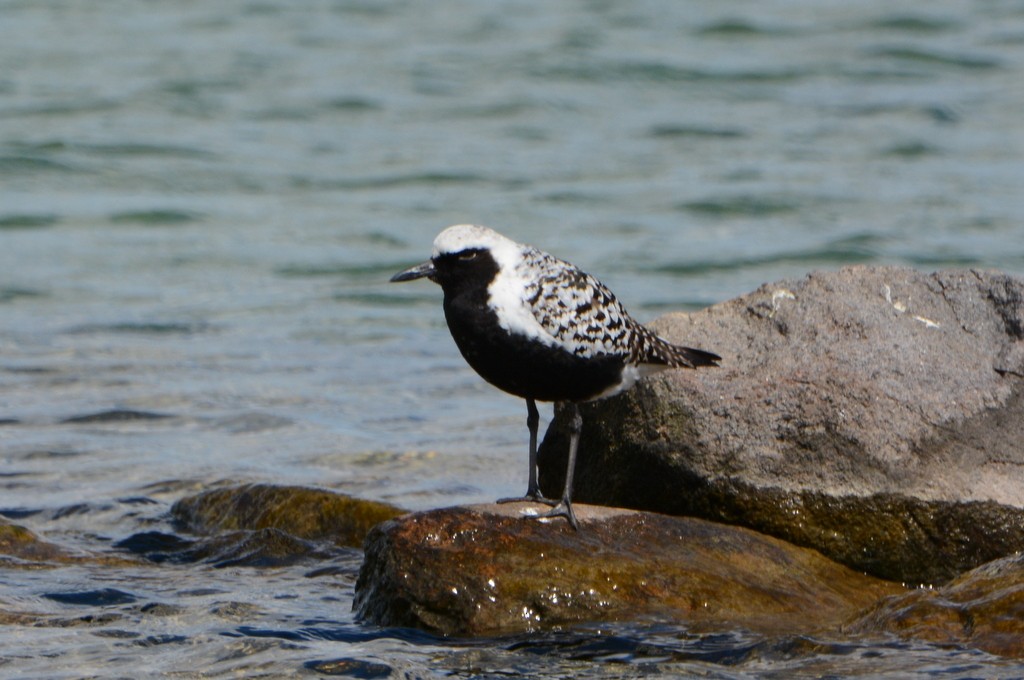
(873, 413)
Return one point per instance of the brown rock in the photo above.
(984, 609)
(484, 570)
(874, 413)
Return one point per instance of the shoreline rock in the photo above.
(874, 414)
(983, 609)
(484, 569)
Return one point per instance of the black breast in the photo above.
(520, 365)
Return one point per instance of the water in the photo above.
(200, 204)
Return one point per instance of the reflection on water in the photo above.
(200, 205)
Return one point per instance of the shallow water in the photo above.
(201, 203)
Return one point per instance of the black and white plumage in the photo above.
(540, 328)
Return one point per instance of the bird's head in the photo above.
(463, 255)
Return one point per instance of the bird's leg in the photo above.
(532, 489)
(533, 423)
(564, 507)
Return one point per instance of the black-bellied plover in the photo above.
(540, 328)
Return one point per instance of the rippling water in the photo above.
(200, 204)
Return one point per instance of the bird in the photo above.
(540, 328)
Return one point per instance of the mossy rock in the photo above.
(305, 513)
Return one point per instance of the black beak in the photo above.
(418, 272)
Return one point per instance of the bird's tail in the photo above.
(695, 357)
(660, 351)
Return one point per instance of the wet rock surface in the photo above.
(984, 609)
(874, 413)
(487, 570)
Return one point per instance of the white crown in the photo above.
(463, 236)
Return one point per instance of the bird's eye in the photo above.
(468, 256)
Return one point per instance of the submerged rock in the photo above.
(19, 546)
(304, 513)
(256, 548)
(485, 570)
(874, 414)
(22, 548)
(262, 525)
(984, 609)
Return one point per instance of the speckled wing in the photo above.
(585, 318)
(575, 308)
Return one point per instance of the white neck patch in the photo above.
(507, 292)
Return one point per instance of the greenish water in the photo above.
(200, 204)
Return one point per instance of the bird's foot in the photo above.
(532, 496)
(562, 509)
